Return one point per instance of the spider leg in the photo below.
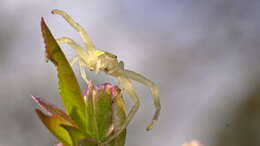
(127, 87)
(80, 51)
(74, 60)
(141, 79)
(97, 70)
(72, 44)
(83, 72)
(84, 35)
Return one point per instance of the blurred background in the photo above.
(204, 55)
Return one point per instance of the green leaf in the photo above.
(78, 137)
(103, 112)
(91, 124)
(53, 122)
(99, 112)
(105, 107)
(68, 86)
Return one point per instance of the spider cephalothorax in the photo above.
(97, 60)
(100, 61)
(108, 63)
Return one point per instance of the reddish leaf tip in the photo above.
(52, 109)
(43, 24)
(44, 28)
(36, 99)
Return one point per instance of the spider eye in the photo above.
(106, 69)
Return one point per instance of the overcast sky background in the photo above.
(203, 55)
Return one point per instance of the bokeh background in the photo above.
(204, 55)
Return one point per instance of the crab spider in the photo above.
(97, 60)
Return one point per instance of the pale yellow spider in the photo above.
(97, 60)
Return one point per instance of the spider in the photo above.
(98, 60)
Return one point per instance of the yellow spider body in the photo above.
(97, 60)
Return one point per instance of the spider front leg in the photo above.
(84, 35)
(74, 60)
(141, 79)
(127, 87)
(72, 44)
(80, 50)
